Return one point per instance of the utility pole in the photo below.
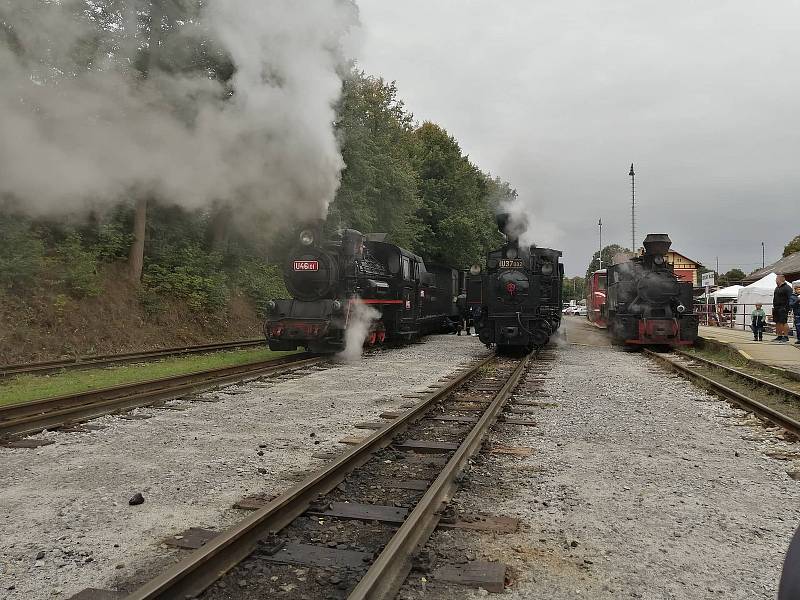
(717, 267)
(633, 210)
(600, 255)
(762, 255)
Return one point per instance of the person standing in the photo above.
(757, 320)
(794, 304)
(780, 307)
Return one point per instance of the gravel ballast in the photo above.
(641, 485)
(69, 514)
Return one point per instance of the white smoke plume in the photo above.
(531, 230)
(81, 125)
(362, 316)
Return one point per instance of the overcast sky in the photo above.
(559, 98)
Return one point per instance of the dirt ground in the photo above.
(51, 326)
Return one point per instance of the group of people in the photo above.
(785, 298)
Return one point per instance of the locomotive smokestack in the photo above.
(657, 243)
(502, 221)
(513, 226)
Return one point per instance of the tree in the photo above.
(609, 252)
(378, 192)
(792, 247)
(457, 219)
(731, 277)
(573, 288)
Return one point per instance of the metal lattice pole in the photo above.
(633, 209)
(600, 255)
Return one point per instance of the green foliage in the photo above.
(792, 247)
(573, 288)
(458, 225)
(261, 282)
(378, 192)
(609, 252)
(77, 267)
(113, 242)
(732, 277)
(192, 274)
(21, 252)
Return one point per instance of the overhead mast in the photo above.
(633, 210)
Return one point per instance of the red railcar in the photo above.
(596, 298)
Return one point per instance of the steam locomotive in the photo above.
(646, 303)
(332, 280)
(519, 294)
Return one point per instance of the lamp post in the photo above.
(762, 255)
(600, 254)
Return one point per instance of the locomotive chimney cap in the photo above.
(657, 243)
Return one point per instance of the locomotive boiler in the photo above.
(519, 294)
(646, 303)
(347, 279)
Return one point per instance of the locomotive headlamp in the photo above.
(659, 260)
(681, 308)
(547, 268)
(475, 270)
(511, 252)
(271, 305)
(336, 305)
(306, 237)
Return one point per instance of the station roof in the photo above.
(788, 265)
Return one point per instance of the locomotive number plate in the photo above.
(511, 263)
(306, 265)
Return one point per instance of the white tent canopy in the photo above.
(759, 292)
(731, 291)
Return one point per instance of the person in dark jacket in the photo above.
(757, 320)
(789, 587)
(780, 307)
(794, 305)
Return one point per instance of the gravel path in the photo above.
(641, 486)
(65, 521)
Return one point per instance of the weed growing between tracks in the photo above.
(733, 359)
(25, 388)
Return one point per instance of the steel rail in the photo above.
(196, 572)
(30, 417)
(765, 412)
(751, 378)
(83, 362)
(387, 574)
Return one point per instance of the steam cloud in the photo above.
(79, 125)
(362, 316)
(527, 227)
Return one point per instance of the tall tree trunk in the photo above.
(136, 256)
(220, 224)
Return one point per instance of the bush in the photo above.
(113, 243)
(192, 275)
(260, 281)
(21, 252)
(78, 267)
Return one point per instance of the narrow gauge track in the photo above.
(85, 362)
(31, 417)
(768, 413)
(364, 515)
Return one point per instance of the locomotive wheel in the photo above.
(372, 338)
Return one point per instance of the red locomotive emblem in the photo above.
(511, 288)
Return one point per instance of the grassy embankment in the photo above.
(24, 388)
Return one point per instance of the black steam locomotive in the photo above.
(519, 294)
(331, 280)
(647, 303)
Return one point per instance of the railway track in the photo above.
(31, 417)
(354, 527)
(784, 412)
(85, 362)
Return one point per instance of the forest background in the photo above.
(144, 271)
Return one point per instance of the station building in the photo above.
(788, 265)
(685, 268)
